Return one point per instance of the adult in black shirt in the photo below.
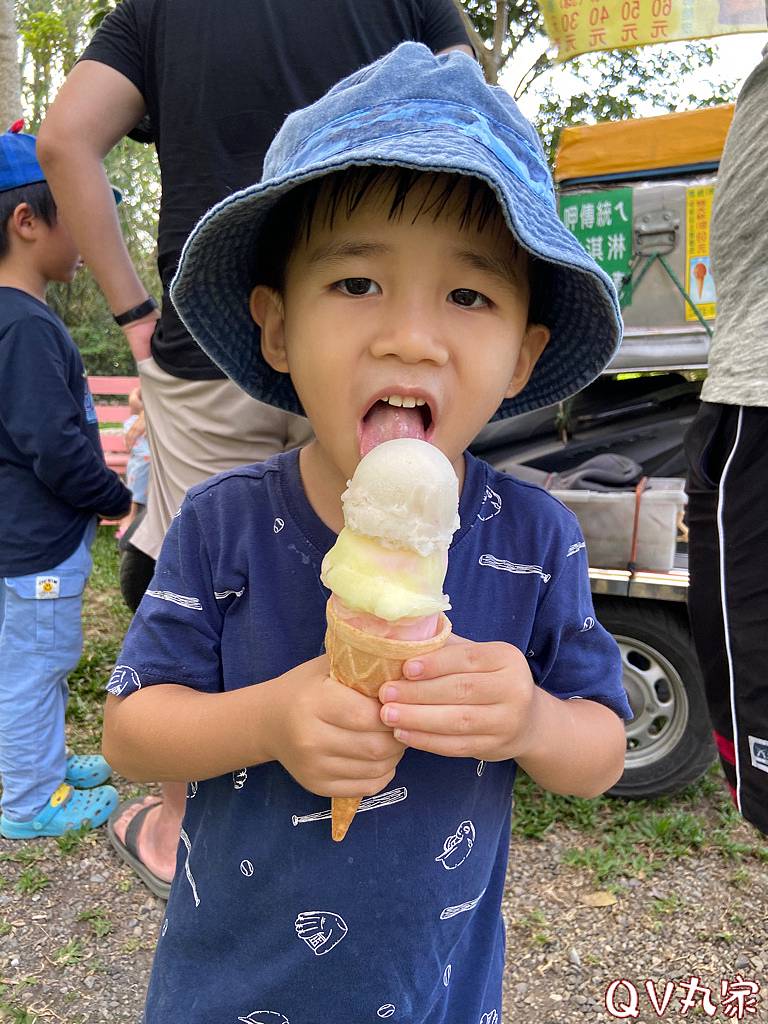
(217, 81)
(214, 81)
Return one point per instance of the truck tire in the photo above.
(669, 742)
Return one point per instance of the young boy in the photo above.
(137, 469)
(54, 482)
(403, 246)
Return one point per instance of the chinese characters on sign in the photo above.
(602, 222)
(738, 998)
(579, 26)
(700, 284)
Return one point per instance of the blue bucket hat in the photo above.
(410, 109)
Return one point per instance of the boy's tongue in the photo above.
(386, 423)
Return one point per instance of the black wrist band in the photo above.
(136, 313)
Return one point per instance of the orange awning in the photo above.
(643, 144)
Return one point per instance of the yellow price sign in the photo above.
(581, 26)
(700, 283)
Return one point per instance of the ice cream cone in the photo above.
(700, 272)
(363, 662)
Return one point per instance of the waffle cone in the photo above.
(363, 662)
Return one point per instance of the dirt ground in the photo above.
(77, 930)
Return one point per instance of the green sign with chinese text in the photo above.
(602, 222)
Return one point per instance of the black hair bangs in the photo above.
(341, 193)
(40, 201)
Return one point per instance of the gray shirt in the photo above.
(738, 358)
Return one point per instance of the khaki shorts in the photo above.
(197, 428)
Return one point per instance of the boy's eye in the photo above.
(357, 286)
(468, 298)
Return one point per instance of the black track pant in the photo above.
(727, 449)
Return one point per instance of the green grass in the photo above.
(72, 842)
(99, 921)
(24, 855)
(534, 927)
(613, 839)
(105, 620)
(16, 1014)
(69, 954)
(32, 880)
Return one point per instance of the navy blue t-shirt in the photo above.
(269, 921)
(53, 478)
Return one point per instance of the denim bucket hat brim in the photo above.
(410, 109)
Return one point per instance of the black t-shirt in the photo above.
(219, 78)
(53, 478)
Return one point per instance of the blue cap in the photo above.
(416, 110)
(18, 163)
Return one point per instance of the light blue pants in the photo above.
(41, 638)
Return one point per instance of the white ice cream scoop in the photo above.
(405, 494)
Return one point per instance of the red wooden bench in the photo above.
(112, 417)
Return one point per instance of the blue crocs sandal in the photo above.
(68, 809)
(84, 771)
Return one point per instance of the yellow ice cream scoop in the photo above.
(391, 583)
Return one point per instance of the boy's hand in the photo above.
(329, 737)
(465, 700)
(135, 431)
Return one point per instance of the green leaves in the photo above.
(610, 86)
(620, 84)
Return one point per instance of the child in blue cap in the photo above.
(399, 271)
(54, 483)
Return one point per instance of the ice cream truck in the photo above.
(638, 196)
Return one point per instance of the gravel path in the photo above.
(702, 917)
(77, 930)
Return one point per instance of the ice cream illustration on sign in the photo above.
(386, 571)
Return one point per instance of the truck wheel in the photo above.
(669, 741)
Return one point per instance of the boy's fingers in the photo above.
(350, 709)
(445, 720)
(464, 656)
(449, 746)
(462, 689)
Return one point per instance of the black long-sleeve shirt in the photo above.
(53, 477)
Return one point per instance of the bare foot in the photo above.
(158, 837)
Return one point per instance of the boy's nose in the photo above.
(413, 336)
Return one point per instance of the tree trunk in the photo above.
(10, 78)
(483, 54)
(500, 26)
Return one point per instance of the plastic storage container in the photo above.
(607, 519)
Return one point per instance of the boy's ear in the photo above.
(23, 221)
(534, 342)
(267, 310)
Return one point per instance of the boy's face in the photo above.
(59, 256)
(404, 327)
